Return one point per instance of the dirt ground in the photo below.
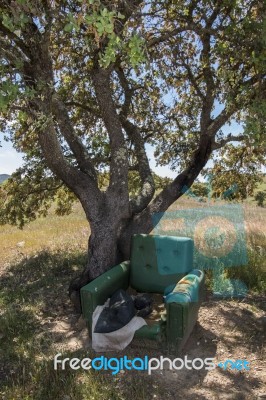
(226, 329)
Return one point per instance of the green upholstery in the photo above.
(157, 261)
(159, 264)
(186, 290)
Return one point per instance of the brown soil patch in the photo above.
(226, 329)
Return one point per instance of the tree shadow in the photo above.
(242, 321)
(34, 300)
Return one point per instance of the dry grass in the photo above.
(49, 233)
(255, 219)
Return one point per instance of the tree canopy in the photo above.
(86, 85)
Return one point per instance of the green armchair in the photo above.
(158, 264)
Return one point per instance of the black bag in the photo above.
(120, 311)
(143, 304)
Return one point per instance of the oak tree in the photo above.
(87, 85)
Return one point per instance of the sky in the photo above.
(10, 159)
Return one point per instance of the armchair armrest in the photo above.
(97, 292)
(188, 289)
(182, 304)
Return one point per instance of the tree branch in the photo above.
(13, 37)
(193, 80)
(80, 183)
(11, 54)
(119, 159)
(164, 37)
(205, 117)
(185, 179)
(74, 142)
(127, 90)
(148, 187)
(223, 142)
(85, 107)
(228, 111)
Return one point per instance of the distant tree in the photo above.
(260, 197)
(85, 85)
(237, 172)
(200, 189)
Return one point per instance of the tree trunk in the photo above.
(104, 253)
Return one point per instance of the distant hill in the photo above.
(4, 177)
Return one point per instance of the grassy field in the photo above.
(36, 317)
(51, 233)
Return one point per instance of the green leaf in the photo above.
(68, 27)
(120, 16)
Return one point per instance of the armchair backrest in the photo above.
(159, 261)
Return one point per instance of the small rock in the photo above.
(21, 244)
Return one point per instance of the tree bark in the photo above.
(103, 251)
